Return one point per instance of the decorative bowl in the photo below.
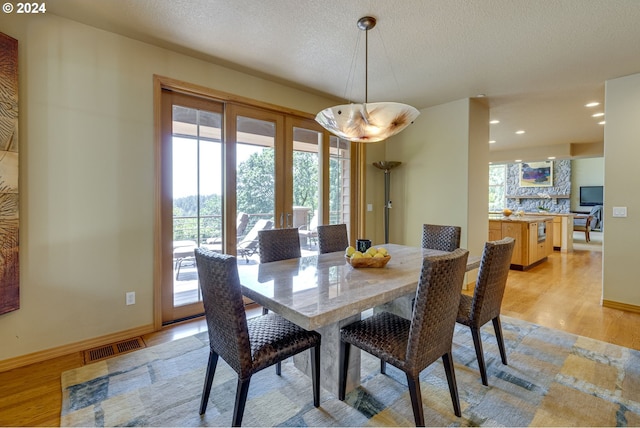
(368, 262)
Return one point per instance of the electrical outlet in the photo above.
(131, 298)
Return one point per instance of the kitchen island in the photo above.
(533, 235)
(562, 228)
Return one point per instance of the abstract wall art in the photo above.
(9, 263)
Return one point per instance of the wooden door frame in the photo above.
(358, 159)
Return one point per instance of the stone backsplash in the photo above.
(561, 186)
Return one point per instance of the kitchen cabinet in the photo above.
(533, 236)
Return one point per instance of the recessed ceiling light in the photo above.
(520, 132)
(551, 157)
(518, 160)
(602, 123)
(481, 95)
(494, 121)
(492, 141)
(597, 115)
(592, 104)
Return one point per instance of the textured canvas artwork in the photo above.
(536, 174)
(9, 264)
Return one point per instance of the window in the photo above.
(497, 187)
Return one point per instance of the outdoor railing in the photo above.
(185, 228)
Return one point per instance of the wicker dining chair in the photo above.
(247, 345)
(443, 238)
(275, 245)
(278, 244)
(332, 237)
(412, 345)
(485, 304)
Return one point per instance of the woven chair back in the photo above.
(332, 237)
(435, 309)
(224, 309)
(438, 237)
(491, 281)
(278, 244)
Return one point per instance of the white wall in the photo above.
(585, 172)
(443, 178)
(87, 175)
(622, 181)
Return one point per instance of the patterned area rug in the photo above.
(553, 379)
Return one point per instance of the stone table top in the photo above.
(315, 291)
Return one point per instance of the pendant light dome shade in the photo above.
(367, 122)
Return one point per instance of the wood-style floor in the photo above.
(563, 293)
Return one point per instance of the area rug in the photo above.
(552, 379)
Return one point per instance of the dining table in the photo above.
(324, 292)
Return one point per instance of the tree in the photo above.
(256, 183)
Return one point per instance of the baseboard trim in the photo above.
(621, 306)
(47, 354)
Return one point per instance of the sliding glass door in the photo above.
(194, 161)
(227, 170)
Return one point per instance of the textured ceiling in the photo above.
(537, 61)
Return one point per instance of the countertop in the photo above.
(499, 213)
(523, 219)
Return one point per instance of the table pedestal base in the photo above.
(330, 358)
(402, 306)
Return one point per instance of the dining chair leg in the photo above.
(241, 399)
(416, 399)
(447, 362)
(383, 367)
(208, 380)
(477, 343)
(315, 374)
(497, 327)
(279, 368)
(345, 348)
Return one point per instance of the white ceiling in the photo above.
(537, 61)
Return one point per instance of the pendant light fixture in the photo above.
(367, 122)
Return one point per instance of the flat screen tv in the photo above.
(591, 196)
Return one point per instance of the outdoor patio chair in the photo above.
(183, 253)
(309, 233)
(485, 304)
(246, 345)
(412, 345)
(249, 244)
(242, 220)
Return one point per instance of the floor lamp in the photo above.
(386, 166)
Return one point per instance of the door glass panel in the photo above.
(197, 195)
(255, 183)
(339, 181)
(306, 186)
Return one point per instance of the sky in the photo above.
(185, 161)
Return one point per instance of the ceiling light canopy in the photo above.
(367, 122)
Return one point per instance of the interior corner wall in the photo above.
(87, 178)
(443, 178)
(622, 181)
(478, 177)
